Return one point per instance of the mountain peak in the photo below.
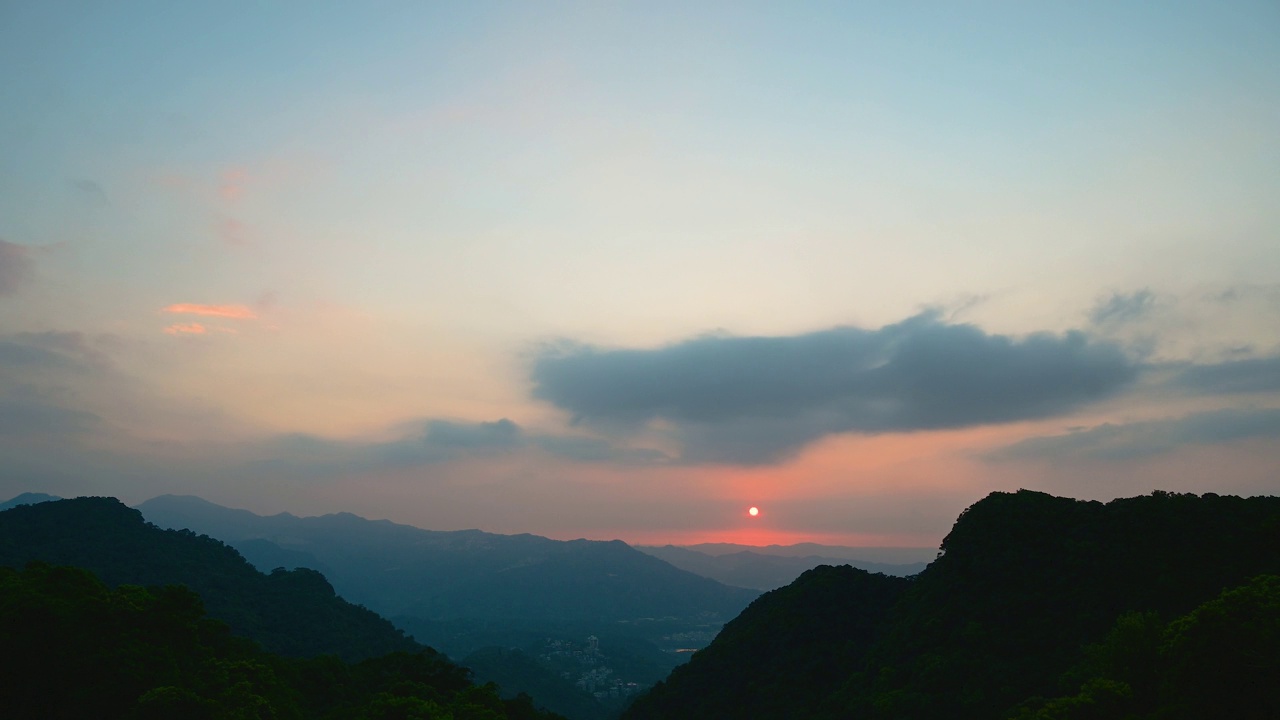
(28, 498)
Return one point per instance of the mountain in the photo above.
(79, 649)
(750, 569)
(1027, 587)
(27, 498)
(785, 652)
(400, 570)
(511, 668)
(467, 592)
(883, 555)
(293, 613)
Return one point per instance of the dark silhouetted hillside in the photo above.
(512, 668)
(293, 613)
(76, 649)
(784, 653)
(1025, 583)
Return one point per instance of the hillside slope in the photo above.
(78, 649)
(1026, 581)
(293, 613)
(762, 571)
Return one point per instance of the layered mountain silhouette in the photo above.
(1038, 607)
(494, 601)
(27, 498)
(293, 613)
(763, 570)
(850, 555)
(400, 570)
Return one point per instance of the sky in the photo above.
(624, 270)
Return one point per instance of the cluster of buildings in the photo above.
(584, 665)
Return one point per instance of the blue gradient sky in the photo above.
(625, 269)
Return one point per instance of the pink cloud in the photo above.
(232, 184)
(186, 329)
(235, 312)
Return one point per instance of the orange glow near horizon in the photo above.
(761, 537)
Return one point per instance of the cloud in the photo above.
(232, 183)
(1235, 377)
(49, 350)
(15, 267)
(186, 329)
(758, 399)
(234, 312)
(436, 441)
(1121, 308)
(28, 412)
(591, 449)
(37, 374)
(484, 436)
(90, 191)
(231, 231)
(1149, 438)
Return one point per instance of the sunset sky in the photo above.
(624, 270)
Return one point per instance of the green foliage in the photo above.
(1220, 660)
(79, 649)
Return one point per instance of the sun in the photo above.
(753, 511)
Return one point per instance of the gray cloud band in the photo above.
(1145, 439)
(758, 399)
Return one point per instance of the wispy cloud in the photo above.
(15, 267)
(438, 441)
(90, 191)
(1125, 441)
(231, 231)
(232, 183)
(40, 374)
(1122, 308)
(186, 329)
(1234, 377)
(233, 312)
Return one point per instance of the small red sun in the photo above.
(753, 511)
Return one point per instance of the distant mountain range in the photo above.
(400, 570)
(27, 499)
(881, 555)
(759, 568)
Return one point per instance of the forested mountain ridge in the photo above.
(293, 613)
(1025, 583)
(79, 649)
